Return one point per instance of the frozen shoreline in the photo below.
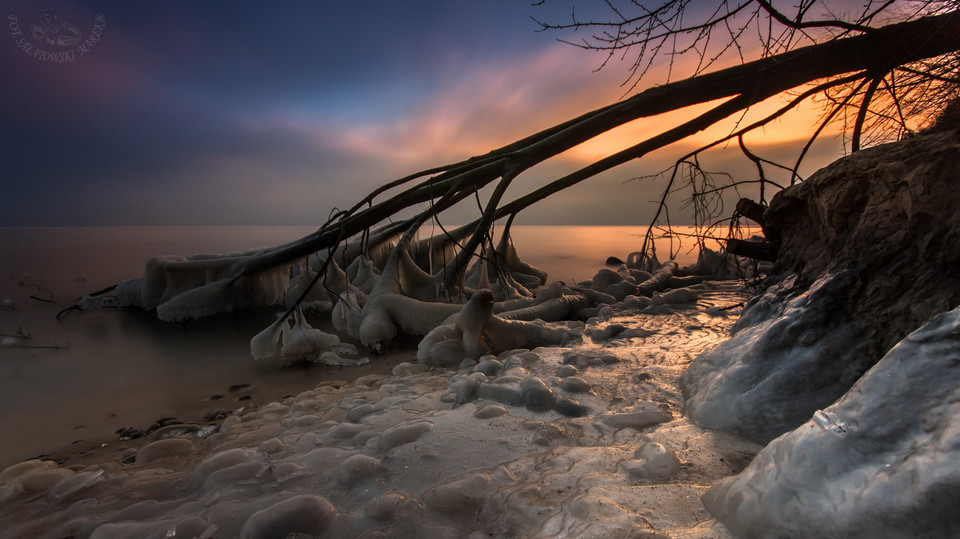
(395, 454)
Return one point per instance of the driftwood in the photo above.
(757, 250)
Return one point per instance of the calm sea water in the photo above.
(76, 380)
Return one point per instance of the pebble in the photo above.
(489, 411)
(174, 431)
(130, 433)
(163, 448)
(613, 330)
(566, 370)
(271, 410)
(273, 445)
(636, 302)
(644, 415)
(465, 494)
(536, 395)
(570, 408)
(356, 468)
(657, 459)
(505, 393)
(22, 468)
(76, 483)
(489, 367)
(467, 391)
(229, 422)
(43, 480)
(304, 514)
(574, 384)
(234, 474)
(359, 412)
(383, 507)
(609, 359)
(403, 434)
(221, 460)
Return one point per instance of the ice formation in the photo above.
(869, 247)
(477, 330)
(804, 354)
(880, 462)
(579, 440)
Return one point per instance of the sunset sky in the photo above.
(213, 113)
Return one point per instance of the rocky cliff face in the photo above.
(871, 251)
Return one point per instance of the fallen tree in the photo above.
(852, 63)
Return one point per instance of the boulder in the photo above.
(883, 461)
(870, 251)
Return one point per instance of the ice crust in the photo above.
(868, 253)
(883, 461)
(785, 360)
(428, 453)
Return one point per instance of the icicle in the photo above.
(263, 345)
(304, 341)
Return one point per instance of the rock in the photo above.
(869, 251)
(237, 473)
(359, 412)
(403, 434)
(505, 393)
(621, 290)
(490, 411)
(175, 431)
(229, 422)
(643, 415)
(303, 514)
(566, 370)
(574, 384)
(613, 261)
(43, 480)
(604, 278)
(489, 367)
(163, 448)
(383, 507)
(636, 302)
(75, 483)
(356, 468)
(680, 295)
(220, 461)
(22, 468)
(570, 408)
(466, 494)
(467, 391)
(273, 445)
(536, 395)
(654, 461)
(612, 331)
(882, 461)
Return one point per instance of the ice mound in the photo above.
(883, 461)
(768, 377)
(503, 447)
(868, 248)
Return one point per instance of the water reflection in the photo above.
(126, 368)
